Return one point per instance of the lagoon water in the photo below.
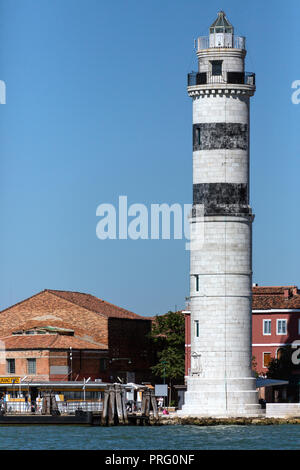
(149, 438)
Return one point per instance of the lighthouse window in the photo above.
(197, 283)
(216, 67)
(197, 328)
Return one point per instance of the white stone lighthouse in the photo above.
(220, 381)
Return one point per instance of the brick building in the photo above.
(62, 335)
(275, 324)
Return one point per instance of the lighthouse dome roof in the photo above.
(221, 24)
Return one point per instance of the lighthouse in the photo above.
(220, 380)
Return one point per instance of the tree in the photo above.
(283, 367)
(254, 366)
(168, 335)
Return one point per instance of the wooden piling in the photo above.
(154, 404)
(119, 404)
(123, 402)
(104, 414)
(147, 404)
(111, 406)
(143, 403)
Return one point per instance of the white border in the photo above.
(277, 321)
(278, 310)
(267, 320)
(272, 344)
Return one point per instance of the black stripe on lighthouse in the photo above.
(220, 135)
(221, 198)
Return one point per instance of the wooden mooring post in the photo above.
(120, 413)
(123, 401)
(154, 404)
(111, 406)
(114, 407)
(104, 414)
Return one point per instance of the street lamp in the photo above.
(84, 384)
(20, 384)
(71, 363)
(164, 363)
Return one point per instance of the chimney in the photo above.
(286, 293)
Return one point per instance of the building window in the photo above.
(197, 283)
(11, 366)
(281, 327)
(103, 364)
(266, 359)
(31, 366)
(216, 67)
(266, 327)
(197, 328)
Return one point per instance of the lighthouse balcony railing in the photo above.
(206, 78)
(220, 41)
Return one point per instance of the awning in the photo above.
(270, 382)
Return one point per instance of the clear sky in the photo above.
(97, 107)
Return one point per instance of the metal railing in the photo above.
(206, 78)
(68, 408)
(17, 407)
(220, 41)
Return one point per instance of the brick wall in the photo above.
(130, 349)
(42, 364)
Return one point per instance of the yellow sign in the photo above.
(9, 380)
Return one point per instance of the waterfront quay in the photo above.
(84, 402)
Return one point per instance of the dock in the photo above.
(111, 411)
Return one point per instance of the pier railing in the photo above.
(68, 408)
(72, 407)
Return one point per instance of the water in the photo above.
(149, 438)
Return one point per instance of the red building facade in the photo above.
(275, 324)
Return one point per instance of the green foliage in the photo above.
(254, 366)
(168, 335)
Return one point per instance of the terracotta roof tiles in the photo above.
(48, 341)
(275, 297)
(94, 304)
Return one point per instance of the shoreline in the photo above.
(189, 421)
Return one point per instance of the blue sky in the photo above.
(97, 107)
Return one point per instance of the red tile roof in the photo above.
(48, 341)
(94, 304)
(275, 297)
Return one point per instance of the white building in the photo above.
(221, 382)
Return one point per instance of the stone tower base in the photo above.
(219, 398)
